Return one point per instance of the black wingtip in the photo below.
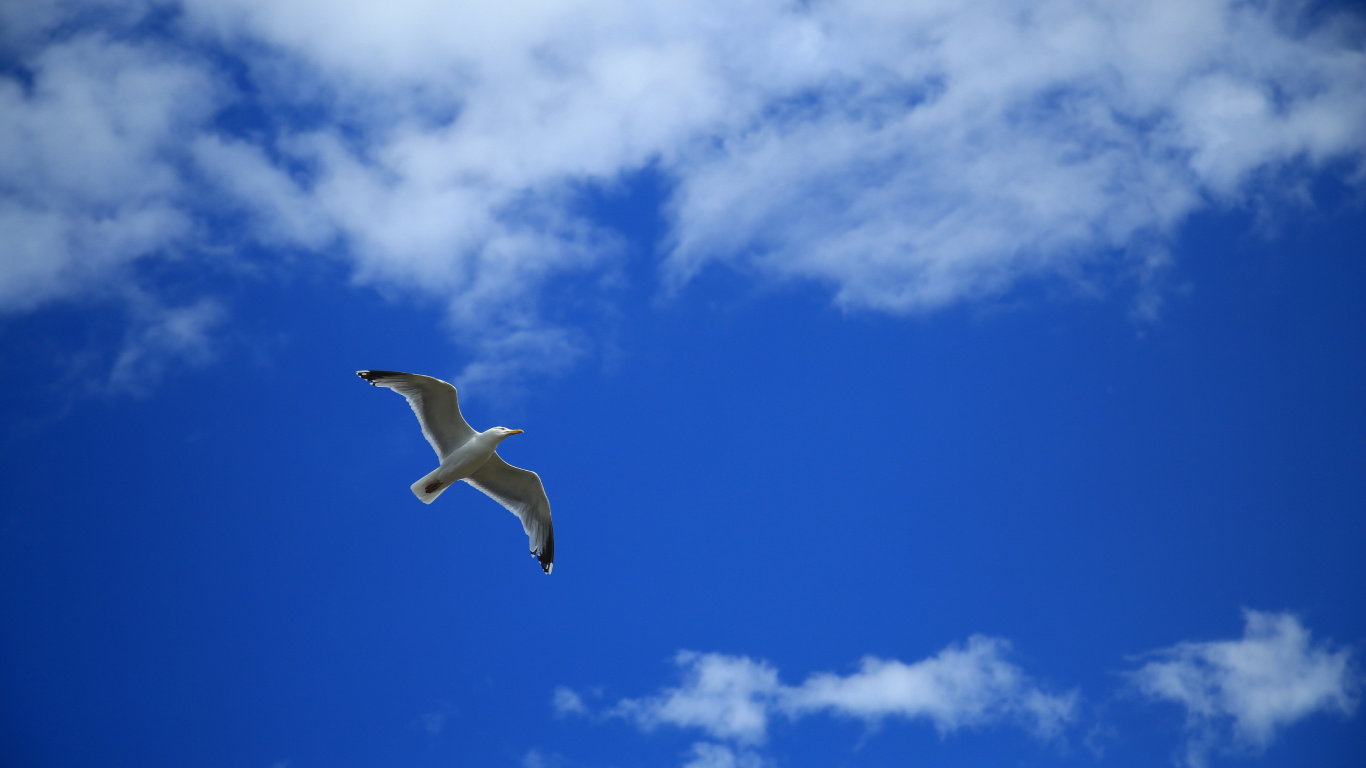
(373, 376)
(547, 554)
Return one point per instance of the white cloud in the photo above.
(708, 755)
(967, 147)
(88, 176)
(907, 155)
(729, 697)
(567, 702)
(1238, 693)
(961, 686)
(733, 697)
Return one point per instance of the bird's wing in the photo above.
(521, 492)
(435, 403)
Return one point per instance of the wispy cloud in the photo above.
(906, 155)
(1238, 694)
(566, 702)
(705, 754)
(733, 698)
(535, 758)
(162, 336)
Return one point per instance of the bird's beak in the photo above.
(515, 432)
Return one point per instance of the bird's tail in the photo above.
(429, 487)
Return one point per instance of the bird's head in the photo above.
(502, 433)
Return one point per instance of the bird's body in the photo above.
(459, 464)
(471, 456)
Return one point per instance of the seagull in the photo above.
(470, 456)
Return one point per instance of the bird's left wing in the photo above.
(521, 492)
(435, 403)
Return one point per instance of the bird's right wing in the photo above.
(520, 491)
(435, 403)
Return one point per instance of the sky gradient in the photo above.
(913, 383)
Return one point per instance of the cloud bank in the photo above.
(907, 156)
(1238, 694)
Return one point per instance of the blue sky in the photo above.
(928, 384)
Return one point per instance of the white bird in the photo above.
(471, 456)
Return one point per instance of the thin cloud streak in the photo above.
(962, 686)
(732, 698)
